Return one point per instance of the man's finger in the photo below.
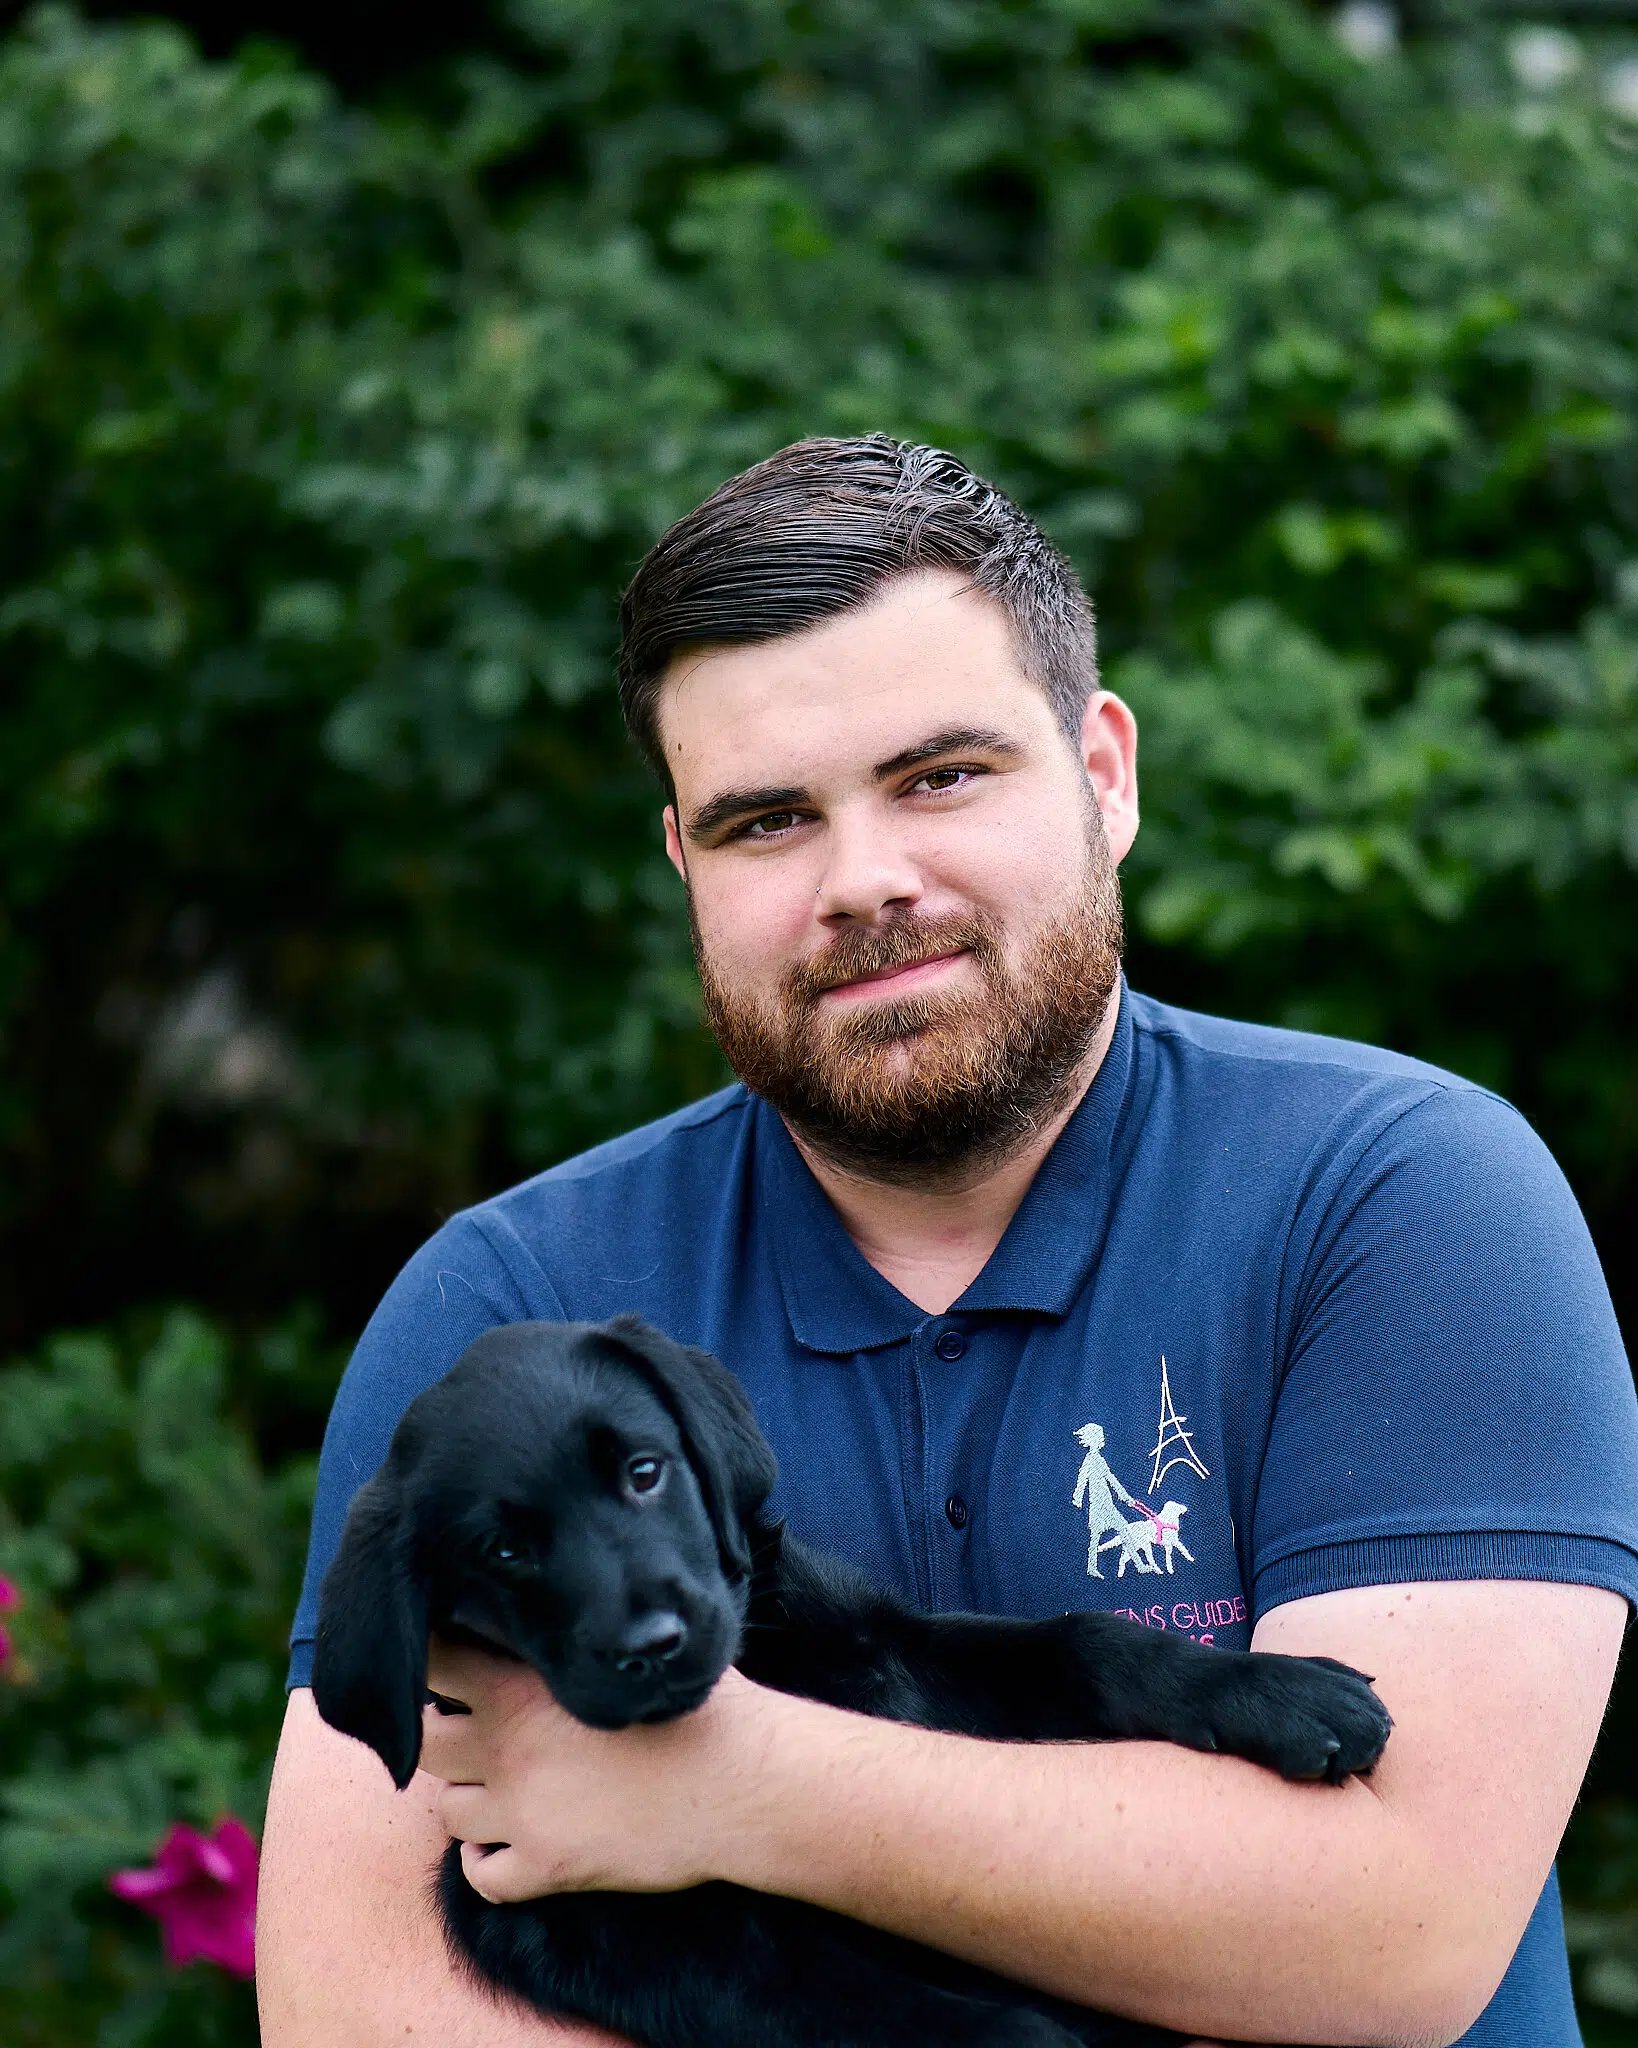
(457, 1671)
(447, 1748)
(492, 1872)
(474, 1861)
(467, 1813)
(464, 1809)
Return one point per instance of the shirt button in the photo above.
(949, 1344)
(956, 1510)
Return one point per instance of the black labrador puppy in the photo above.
(588, 1498)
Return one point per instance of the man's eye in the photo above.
(643, 1474)
(770, 825)
(937, 779)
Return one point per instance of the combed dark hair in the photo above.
(815, 531)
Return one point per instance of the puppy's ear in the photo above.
(730, 1455)
(370, 1661)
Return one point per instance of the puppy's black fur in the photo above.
(587, 1498)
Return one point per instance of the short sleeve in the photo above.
(1455, 1402)
(456, 1287)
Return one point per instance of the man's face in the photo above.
(900, 875)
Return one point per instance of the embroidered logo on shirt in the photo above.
(1097, 1489)
(1171, 1432)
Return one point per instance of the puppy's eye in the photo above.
(503, 1550)
(644, 1474)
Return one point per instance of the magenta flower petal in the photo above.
(5, 1647)
(202, 1891)
(138, 1885)
(215, 1864)
(9, 1596)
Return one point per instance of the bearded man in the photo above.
(972, 1207)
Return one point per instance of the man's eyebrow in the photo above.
(956, 739)
(732, 804)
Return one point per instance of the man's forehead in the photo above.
(850, 695)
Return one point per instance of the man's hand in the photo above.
(578, 1808)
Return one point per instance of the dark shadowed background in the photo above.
(350, 359)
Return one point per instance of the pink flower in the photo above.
(202, 1891)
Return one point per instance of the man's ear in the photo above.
(730, 1455)
(673, 843)
(1109, 756)
(370, 1662)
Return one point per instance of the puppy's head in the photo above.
(575, 1494)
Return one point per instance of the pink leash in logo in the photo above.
(1160, 1528)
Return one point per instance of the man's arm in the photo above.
(348, 1951)
(1195, 1891)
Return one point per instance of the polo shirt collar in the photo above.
(837, 1301)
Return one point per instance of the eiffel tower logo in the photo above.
(1172, 1436)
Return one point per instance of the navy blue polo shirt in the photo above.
(1279, 1315)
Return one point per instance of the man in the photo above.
(973, 1194)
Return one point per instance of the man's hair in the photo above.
(817, 530)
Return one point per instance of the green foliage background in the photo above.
(329, 896)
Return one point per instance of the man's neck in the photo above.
(933, 1242)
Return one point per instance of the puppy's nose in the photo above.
(651, 1640)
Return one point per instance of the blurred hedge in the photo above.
(159, 1562)
(328, 895)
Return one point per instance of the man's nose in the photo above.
(867, 874)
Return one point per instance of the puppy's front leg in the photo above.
(1090, 1676)
(1305, 1717)
(1076, 1678)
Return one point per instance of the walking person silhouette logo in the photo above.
(1107, 1528)
(1098, 1489)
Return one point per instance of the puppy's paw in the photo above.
(1305, 1717)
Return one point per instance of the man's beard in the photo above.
(923, 1089)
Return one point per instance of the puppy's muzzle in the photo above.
(653, 1640)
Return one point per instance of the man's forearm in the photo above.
(1201, 1892)
(1198, 1892)
(349, 1952)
